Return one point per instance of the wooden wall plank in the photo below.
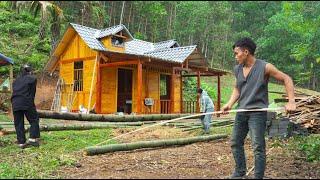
(109, 90)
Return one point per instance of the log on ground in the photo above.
(94, 150)
(107, 118)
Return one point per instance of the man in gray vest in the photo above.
(251, 92)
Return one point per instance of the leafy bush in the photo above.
(310, 146)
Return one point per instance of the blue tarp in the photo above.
(5, 60)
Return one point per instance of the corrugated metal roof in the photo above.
(162, 50)
(164, 44)
(139, 47)
(88, 35)
(178, 54)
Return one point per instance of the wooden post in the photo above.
(198, 86)
(181, 92)
(219, 94)
(98, 87)
(11, 77)
(139, 89)
(92, 80)
(172, 91)
(147, 82)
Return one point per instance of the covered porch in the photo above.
(172, 73)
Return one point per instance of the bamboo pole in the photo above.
(94, 150)
(106, 118)
(215, 124)
(74, 127)
(11, 78)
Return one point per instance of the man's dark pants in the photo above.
(32, 116)
(255, 124)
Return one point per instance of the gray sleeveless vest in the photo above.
(253, 89)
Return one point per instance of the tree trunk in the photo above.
(150, 144)
(129, 19)
(122, 9)
(174, 20)
(145, 27)
(110, 14)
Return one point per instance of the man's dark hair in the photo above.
(199, 90)
(246, 43)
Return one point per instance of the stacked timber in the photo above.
(308, 114)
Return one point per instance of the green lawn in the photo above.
(58, 148)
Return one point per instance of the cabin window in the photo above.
(117, 41)
(78, 76)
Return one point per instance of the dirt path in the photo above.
(200, 160)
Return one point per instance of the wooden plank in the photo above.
(114, 64)
(68, 51)
(64, 61)
(277, 100)
(108, 90)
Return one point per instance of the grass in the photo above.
(4, 118)
(307, 147)
(57, 149)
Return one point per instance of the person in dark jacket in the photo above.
(23, 94)
(206, 105)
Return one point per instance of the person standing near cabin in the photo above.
(206, 105)
(251, 92)
(24, 91)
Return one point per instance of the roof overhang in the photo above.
(4, 60)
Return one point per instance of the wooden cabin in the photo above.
(110, 71)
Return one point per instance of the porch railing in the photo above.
(164, 107)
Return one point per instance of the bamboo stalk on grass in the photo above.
(95, 150)
(215, 124)
(6, 123)
(74, 127)
(107, 118)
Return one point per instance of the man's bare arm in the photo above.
(272, 71)
(233, 99)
